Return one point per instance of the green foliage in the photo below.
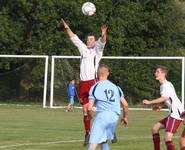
(135, 28)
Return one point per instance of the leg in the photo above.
(168, 141)
(68, 108)
(182, 143)
(83, 92)
(114, 140)
(182, 140)
(105, 146)
(92, 146)
(87, 126)
(171, 128)
(156, 136)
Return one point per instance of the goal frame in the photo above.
(45, 71)
(114, 57)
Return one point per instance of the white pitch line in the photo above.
(41, 143)
(72, 141)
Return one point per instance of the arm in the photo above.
(74, 38)
(103, 34)
(155, 101)
(100, 44)
(124, 119)
(90, 108)
(67, 28)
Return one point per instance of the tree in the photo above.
(136, 28)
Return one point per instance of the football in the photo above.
(88, 9)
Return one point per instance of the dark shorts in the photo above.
(171, 124)
(83, 90)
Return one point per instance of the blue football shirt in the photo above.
(106, 96)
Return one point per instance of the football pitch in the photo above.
(35, 128)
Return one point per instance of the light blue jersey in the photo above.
(107, 96)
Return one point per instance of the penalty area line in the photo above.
(40, 143)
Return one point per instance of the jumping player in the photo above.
(91, 54)
(107, 97)
(169, 98)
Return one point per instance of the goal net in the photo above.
(23, 79)
(135, 75)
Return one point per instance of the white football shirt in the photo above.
(90, 58)
(174, 104)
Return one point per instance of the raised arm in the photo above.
(67, 28)
(103, 34)
(124, 119)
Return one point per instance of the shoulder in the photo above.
(167, 84)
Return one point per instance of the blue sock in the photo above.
(105, 146)
(90, 148)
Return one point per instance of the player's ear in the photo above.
(108, 73)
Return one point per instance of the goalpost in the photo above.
(71, 59)
(45, 70)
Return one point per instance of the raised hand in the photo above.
(103, 33)
(64, 23)
(103, 30)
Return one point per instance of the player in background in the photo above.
(91, 54)
(170, 99)
(71, 95)
(107, 97)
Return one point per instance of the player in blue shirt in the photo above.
(71, 95)
(107, 97)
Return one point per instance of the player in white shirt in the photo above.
(170, 99)
(91, 54)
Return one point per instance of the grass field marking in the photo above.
(70, 141)
(41, 143)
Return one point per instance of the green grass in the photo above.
(35, 128)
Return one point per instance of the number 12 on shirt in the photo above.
(110, 95)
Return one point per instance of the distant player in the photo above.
(170, 99)
(71, 95)
(107, 97)
(91, 54)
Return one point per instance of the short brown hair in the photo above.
(92, 34)
(103, 66)
(163, 69)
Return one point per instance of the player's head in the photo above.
(91, 40)
(73, 81)
(161, 72)
(103, 72)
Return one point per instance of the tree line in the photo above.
(135, 28)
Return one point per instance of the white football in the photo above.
(88, 9)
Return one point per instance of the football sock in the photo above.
(183, 148)
(170, 145)
(87, 124)
(156, 141)
(105, 146)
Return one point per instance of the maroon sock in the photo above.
(156, 141)
(183, 148)
(170, 145)
(87, 124)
